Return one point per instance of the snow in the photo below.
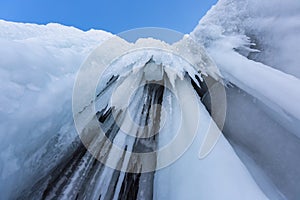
(217, 176)
(182, 115)
(267, 84)
(273, 28)
(255, 46)
(37, 71)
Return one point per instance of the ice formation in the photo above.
(254, 45)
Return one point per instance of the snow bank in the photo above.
(271, 27)
(255, 46)
(37, 70)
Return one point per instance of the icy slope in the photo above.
(37, 70)
(216, 177)
(255, 46)
(272, 28)
(40, 154)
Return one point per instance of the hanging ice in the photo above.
(42, 156)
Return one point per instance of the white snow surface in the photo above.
(271, 27)
(220, 175)
(38, 64)
(255, 46)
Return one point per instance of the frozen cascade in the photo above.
(80, 175)
(42, 156)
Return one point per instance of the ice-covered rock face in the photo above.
(59, 164)
(186, 120)
(38, 65)
(148, 61)
(267, 32)
(255, 46)
(41, 151)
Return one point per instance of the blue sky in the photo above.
(111, 15)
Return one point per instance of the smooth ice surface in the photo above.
(215, 177)
(255, 46)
